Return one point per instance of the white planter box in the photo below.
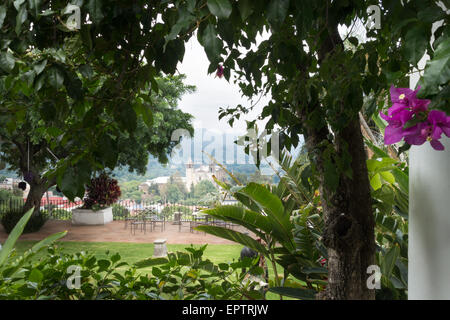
(90, 217)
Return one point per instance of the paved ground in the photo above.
(116, 232)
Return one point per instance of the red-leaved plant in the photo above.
(102, 192)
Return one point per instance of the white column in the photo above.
(429, 222)
(429, 218)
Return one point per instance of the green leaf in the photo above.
(245, 8)
(274, 209)
(126, 117)
(21, 18)
(212, 44)
(234, 236)
(68, 183)
(18, 3)
(36, 276)
(247, 218)
(431, 14)
(13, 236)
(7, 61)
(34, 7)
(55, 77)
(297, 293)
(415, 43)
(276, 12)
(95, 10)
(39, 66)
(387, 176)
(103, 265)
(388, 263)
(47, 241)
(2, 15)
(142, 109)
(220, 8)
(402, 179)
(437, 70)
(375, 182)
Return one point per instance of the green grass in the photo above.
(133, 252)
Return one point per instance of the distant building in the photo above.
(193, 176)
(9, 184)
(12, 183)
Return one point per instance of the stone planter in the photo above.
(90, 217)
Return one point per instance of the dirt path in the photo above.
(116, 232)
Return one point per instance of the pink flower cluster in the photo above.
(220, 71)
(410, 119)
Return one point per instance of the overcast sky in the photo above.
(212, 93)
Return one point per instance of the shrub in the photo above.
(9, 219)
(182, 275)
(61, 214)
(119, 212)
(101, 192)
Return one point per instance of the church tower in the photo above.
(189, 174)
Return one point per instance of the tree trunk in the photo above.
(349, 222)
(347, 211)
(34, 197)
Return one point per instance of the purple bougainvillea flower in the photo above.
(219, 72)
(431, 129)
(394, 132)
(403, 96)
(440, 123)
(417, 134)
(419, 105)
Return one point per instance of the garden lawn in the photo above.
(134, 252)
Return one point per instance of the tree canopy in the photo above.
(318, 80)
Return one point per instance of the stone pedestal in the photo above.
(160, 248)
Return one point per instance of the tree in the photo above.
(203, 188)
(75, 101)
(317, 84)
(173, 193)
(317, 87)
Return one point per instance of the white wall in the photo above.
(429, 222)
(429, 218)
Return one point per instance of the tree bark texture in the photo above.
(349, 222)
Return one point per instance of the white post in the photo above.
(429, 218)
(429, 222)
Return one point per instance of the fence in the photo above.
(60, 209)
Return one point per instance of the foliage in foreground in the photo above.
(182, 275)
(289, 220)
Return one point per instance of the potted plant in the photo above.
(97, 209)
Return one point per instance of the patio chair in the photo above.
(189, 223)
(129, 219)
(139, 223)
(154, 219)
